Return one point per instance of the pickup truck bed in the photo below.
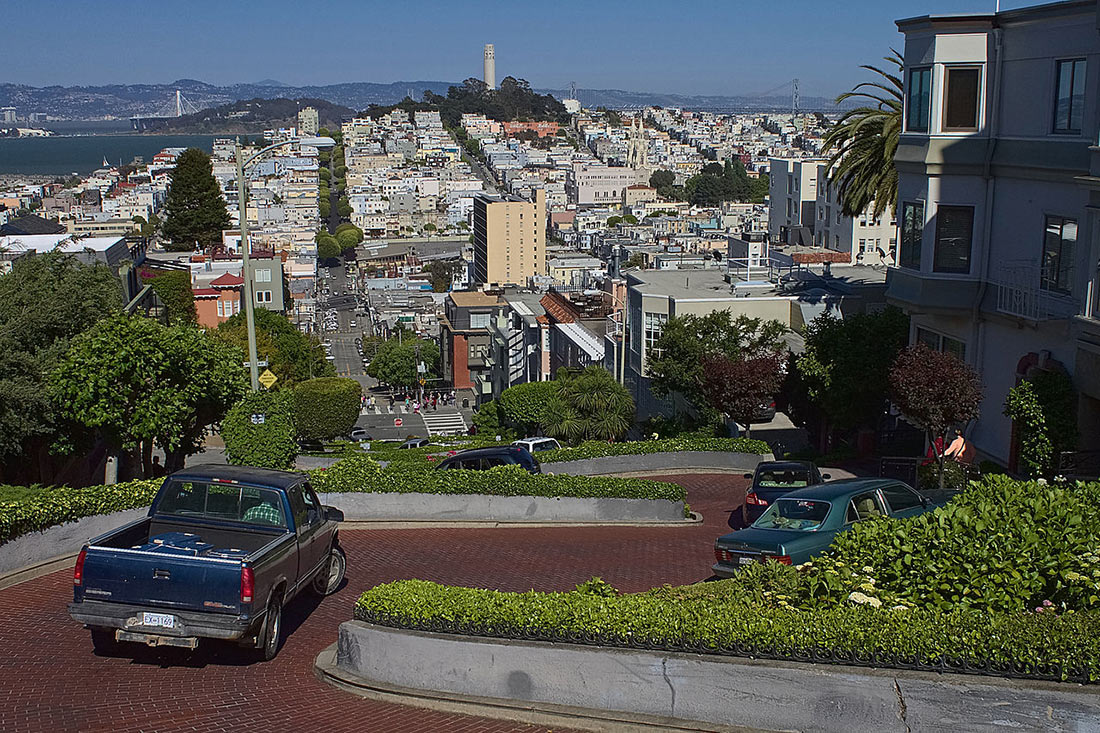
(188, 571)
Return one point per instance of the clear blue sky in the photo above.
(695, 47)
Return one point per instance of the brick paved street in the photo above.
(50, 680)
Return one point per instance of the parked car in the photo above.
(802, 524)
(414, 443)
(482, 459)
(535, 445)
(773, 479)
(359, 434)
(220, 553)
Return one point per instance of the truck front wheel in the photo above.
(329, 578)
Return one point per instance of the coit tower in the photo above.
(490, 67)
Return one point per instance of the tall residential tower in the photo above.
(490, 66)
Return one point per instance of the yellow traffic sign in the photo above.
(268, 378)
(423, 382)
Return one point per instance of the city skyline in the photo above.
(738, 51)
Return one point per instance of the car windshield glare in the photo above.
(783, 479)
(797, 514)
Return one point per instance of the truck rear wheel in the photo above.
(273, 629)
(103, 641)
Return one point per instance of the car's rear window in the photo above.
(799, 514)
(790, 479)
(213, 500)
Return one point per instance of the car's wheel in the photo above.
(273, 629)
(329, 578)
(103, 641)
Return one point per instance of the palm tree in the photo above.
(864, 142)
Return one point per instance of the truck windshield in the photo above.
(223, 501)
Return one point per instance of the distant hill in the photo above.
(129, 100)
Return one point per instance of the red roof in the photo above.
(227, 280)
(558, 308)
(205, 292)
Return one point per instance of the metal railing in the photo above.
(1020, 292)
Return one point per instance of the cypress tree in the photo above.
(195, 208)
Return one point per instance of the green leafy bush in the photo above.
(1001, 545)
(523, 404)
(174, 290)
(259, 431)
(720, 615)
(362, 474)
(327, 407)
(598, 449)
(63, 504)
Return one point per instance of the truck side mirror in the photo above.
(332, 514)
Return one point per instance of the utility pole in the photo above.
(249, 304)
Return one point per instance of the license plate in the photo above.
(746, 560)
(164, 620)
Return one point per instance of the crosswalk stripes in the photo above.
(444, 423)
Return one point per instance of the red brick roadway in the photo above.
(50, 679)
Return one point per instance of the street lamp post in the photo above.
(242, 210)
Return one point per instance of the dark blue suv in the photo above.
(482, 459)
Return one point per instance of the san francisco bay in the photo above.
(64, 155)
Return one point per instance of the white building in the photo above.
(999, 198)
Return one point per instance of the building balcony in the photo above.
(1020, 293)
(930, 293)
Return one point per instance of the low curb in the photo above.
(683, 690)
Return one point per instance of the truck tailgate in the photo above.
(166, 580)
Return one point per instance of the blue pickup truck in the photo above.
(220, 553)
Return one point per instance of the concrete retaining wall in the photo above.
(64, 539)
(713, 690)
(663, 463)
(482, 508)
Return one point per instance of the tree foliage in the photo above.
(195, 208)
(45, 301)
(588, 406)
(173, 287)
(1044, 409)
(845, 368)
(259, 431)
(864, 141)
(137, 382)
(935, 390)
(443, 273)
(521, 406)
(741, 387)
(348, 238)
(395, 361)
(326, 408)
(291, 355)
(686, 340)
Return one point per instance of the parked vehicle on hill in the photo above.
(536, 445)
(803, 523)
(414, 443)
(222, 550)
(773, 479)
(482, 459)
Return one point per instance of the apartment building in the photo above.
(999, 197)
(592, 185)
(866, 239)
(792, 193)
(509, 238)
(308, 122)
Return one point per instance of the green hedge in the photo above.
(599, 449)
(64, 504)
(362, 474)
(719, 615)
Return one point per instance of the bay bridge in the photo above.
(176, 105)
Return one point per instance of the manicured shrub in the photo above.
(522, 405)
(59, 505)
(326, 408)
(362, 474)
(259, 431)
(598, 449)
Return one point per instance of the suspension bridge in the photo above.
(175, 105)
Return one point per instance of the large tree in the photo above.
(196, 213)
(139, 383)
(588, 406)
(45, 301)
(291, 355)
(686, 340)
(845, 368)
(326, 408)
(395, 361)
(937, 391)
(863, 142)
